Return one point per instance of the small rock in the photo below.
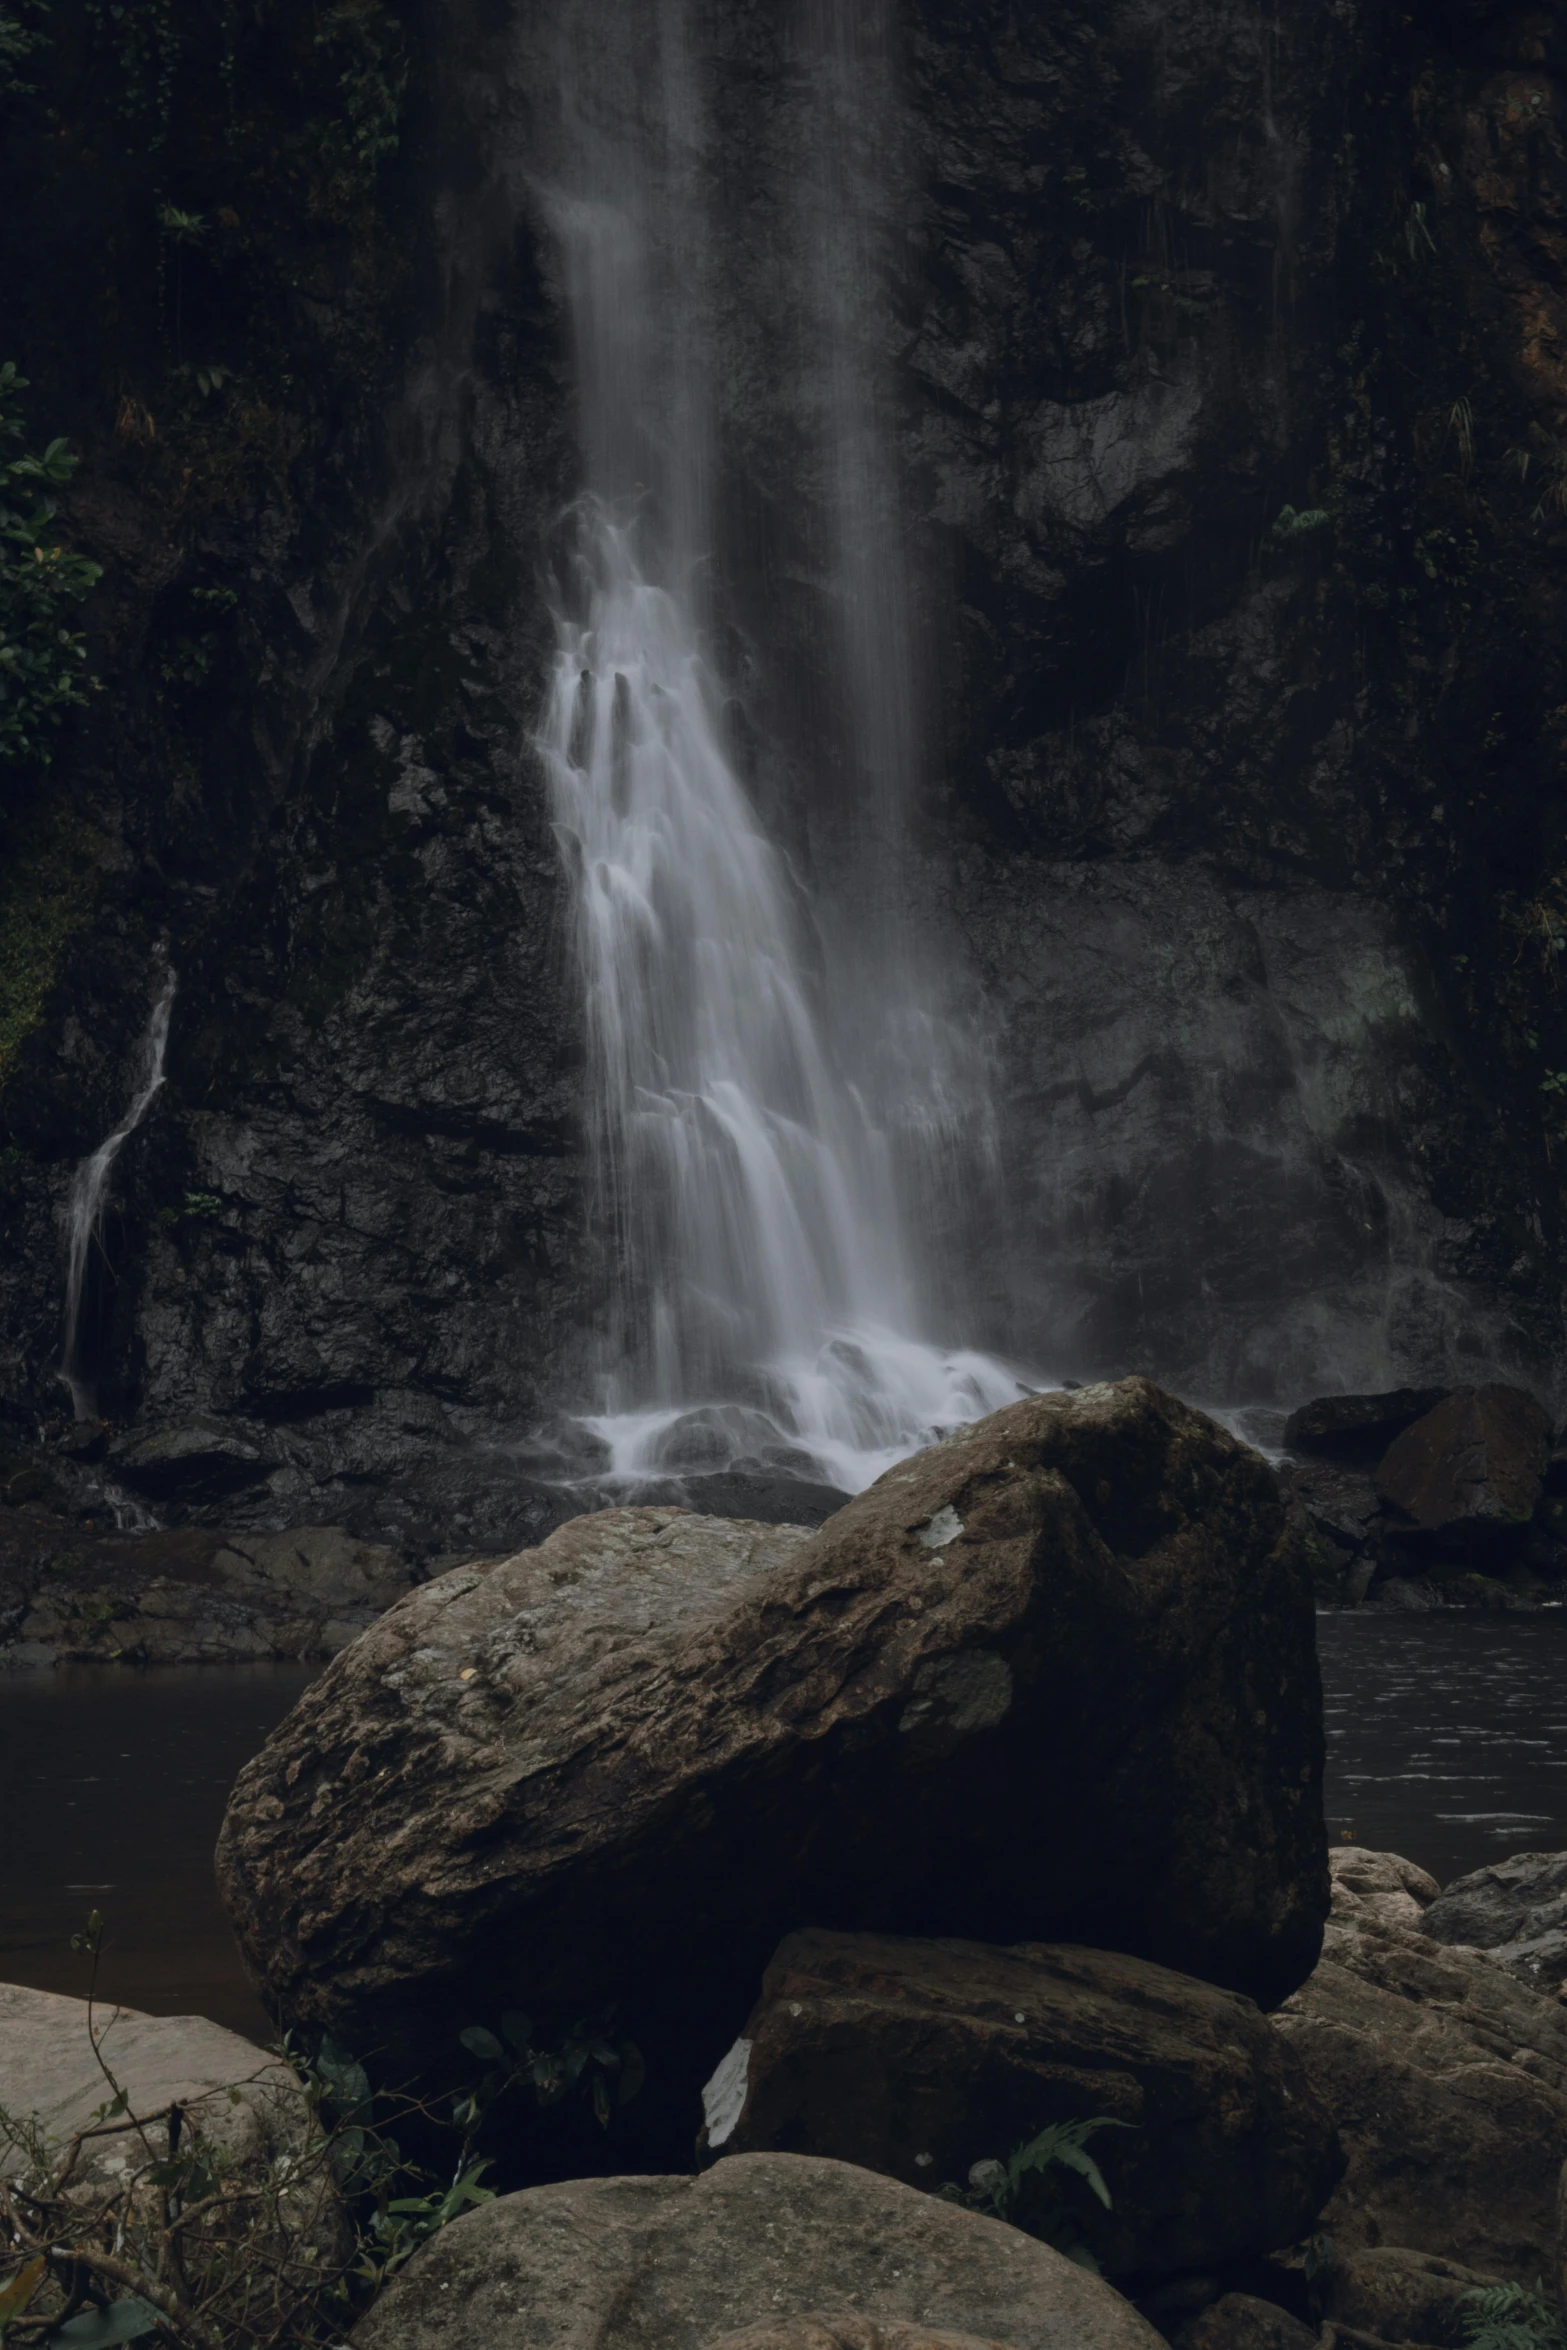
(193, 1461)
(679, 2263)
(1240, 2321)
(879, 2051)
(1358, 1427)
(1402, 2295)
(1380, 1885)
(1517, 1910)
(1471, 1471)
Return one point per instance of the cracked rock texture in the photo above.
(621, 1766)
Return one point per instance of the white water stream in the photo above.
(89, 1196)
(768, 1306)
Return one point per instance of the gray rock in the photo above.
(1517, 1910)
(197, 1460)
(1403, 2296)
(621, 1767)
(1381, 1886)
(919, 2058)
(847, 2333)
(675, 2263)
(228, 2089)
(1448, 2082)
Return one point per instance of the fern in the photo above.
(1512, 2317)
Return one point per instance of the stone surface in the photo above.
(1516, 1910)
(1241, 2321)
(1472, 1471)
(1402, 2295)
(621, 1767)
(1358, 1427)
(1448, 2082)
(672, 2263)
(920, 2058)
(847, 2333)
(1380, 1885)
(48, 2073)
(185, 1595)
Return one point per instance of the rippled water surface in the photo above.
(1447, 1735)
(1447, 1740)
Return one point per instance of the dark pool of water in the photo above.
(112, 1787)
(1447, 1734)
(1447, 1741)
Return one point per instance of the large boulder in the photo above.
(679, 2263)
(1471, 1472)
(1517, 1910)
(920, 2058)
(1054, 1679)
(846, 2333)
(1403, 2296)
(1448, 2082)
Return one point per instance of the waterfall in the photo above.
(750, 1190)
(89, 1195)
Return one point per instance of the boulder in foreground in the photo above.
(680, 2263)
(1054, 1679)
(920, 2058)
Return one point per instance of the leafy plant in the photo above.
(1029, 2192)
(43, 664)
(1512, 2317)
(1290, 526)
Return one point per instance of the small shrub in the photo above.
(43, 664)
(1032, 2190)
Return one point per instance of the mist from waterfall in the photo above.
(758, 1088)
(89, 1196)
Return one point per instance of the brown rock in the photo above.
(1240, 2321)
(673, 2263)
(1402, 2295)
(1448, 2082)
(1517, 1910)
(1055, 1678)
(920, 2058)
(847, 2333)
(1472, 1469)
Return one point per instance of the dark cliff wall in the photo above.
(1232, 414)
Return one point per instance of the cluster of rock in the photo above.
(1429, 1497)
(995, 1803)
(186, 1595)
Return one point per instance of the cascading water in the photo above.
(767, 1303)
(89, 1196)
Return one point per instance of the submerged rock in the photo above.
(681, 2263)
(1514, 1909)
(1472, 1471)
(1054, 1678)
(920, 2058)
(1448, 2082)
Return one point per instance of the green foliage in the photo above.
(43, 665)
(1033, 2190)
(46, 882)
(1512, 2317)
(366, 45)
(1288, 527)
(142, 41)
(18, 42)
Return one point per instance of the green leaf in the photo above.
(518, 2029)
(15, 2296)
(98, 2329)
(479, 2042)
(633, 2070)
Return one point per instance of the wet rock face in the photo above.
(919, 2059)
(618, 1769)
(1471, 1471)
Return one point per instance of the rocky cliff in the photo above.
(1229, 409)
